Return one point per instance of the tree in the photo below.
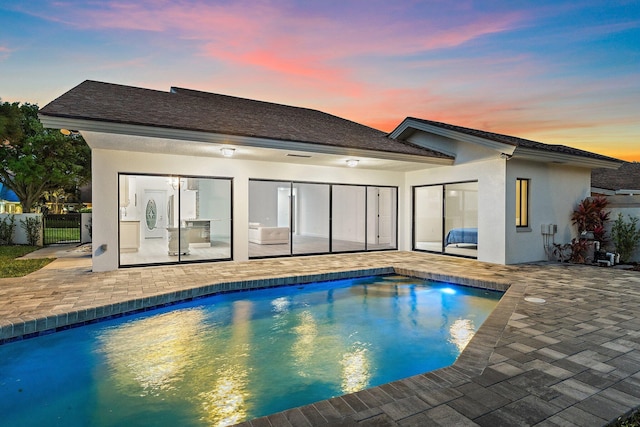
(35, 159)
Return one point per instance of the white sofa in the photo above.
(268, 235)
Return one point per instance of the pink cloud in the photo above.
(5, 52)
(312, 48)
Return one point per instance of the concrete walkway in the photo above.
(573, 359)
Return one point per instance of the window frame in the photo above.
(523, 203)
(369, 246)
(442, 214)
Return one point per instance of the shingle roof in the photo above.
(515, 141)
(192, 110)
(627, 177)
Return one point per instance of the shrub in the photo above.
(625, 236)
(31, 226)
(7, 227)
(575, 252)
(591, 216)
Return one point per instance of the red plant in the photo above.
(591, 216)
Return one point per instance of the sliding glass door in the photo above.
(270, 205)
(301, 218)
(169, 219)
(445, 218)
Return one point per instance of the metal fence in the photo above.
(65, 228)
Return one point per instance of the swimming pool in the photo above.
(237, 356)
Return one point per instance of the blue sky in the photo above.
(559, 72)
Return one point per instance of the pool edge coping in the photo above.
(471, 362)
(30, 327)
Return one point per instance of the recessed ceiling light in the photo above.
(352, 163)
(227, 151)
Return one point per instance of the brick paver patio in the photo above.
(571, 360)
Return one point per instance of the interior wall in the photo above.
(214, 199)
(349, 207)
(312, 210)
(264, 206)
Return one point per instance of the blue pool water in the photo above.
(227, 358)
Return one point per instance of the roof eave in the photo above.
(601, 190)
(409, 126)
(57, 122)
(562, 158)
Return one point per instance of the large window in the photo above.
(445, 218)
(169, 219)
(298, 218)
(522, 202)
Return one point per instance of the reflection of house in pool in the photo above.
(194, 176)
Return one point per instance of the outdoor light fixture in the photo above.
(67, 132)
(352, 163)
(227, 151)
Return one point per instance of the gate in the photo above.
(64, 228)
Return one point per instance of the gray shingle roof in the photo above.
(627, 177)
(192, 110)
(517, 142)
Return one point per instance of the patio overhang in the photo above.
(155, 139)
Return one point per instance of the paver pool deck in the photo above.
(571, 360)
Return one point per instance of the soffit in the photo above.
(247, 149)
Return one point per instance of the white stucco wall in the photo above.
(19, 233)
(106, 164)
(555, 191)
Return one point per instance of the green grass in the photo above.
(12, 267)
(54, 235)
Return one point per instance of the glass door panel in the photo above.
(310, 218)
(146, 219)
(269, 218)
(461, 219)
(382, 222)
(348, 218)
(205, 217)
(428, 222)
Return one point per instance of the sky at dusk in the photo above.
(559, 71)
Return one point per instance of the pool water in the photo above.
(228, 358)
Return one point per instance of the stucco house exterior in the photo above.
(190, 176)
